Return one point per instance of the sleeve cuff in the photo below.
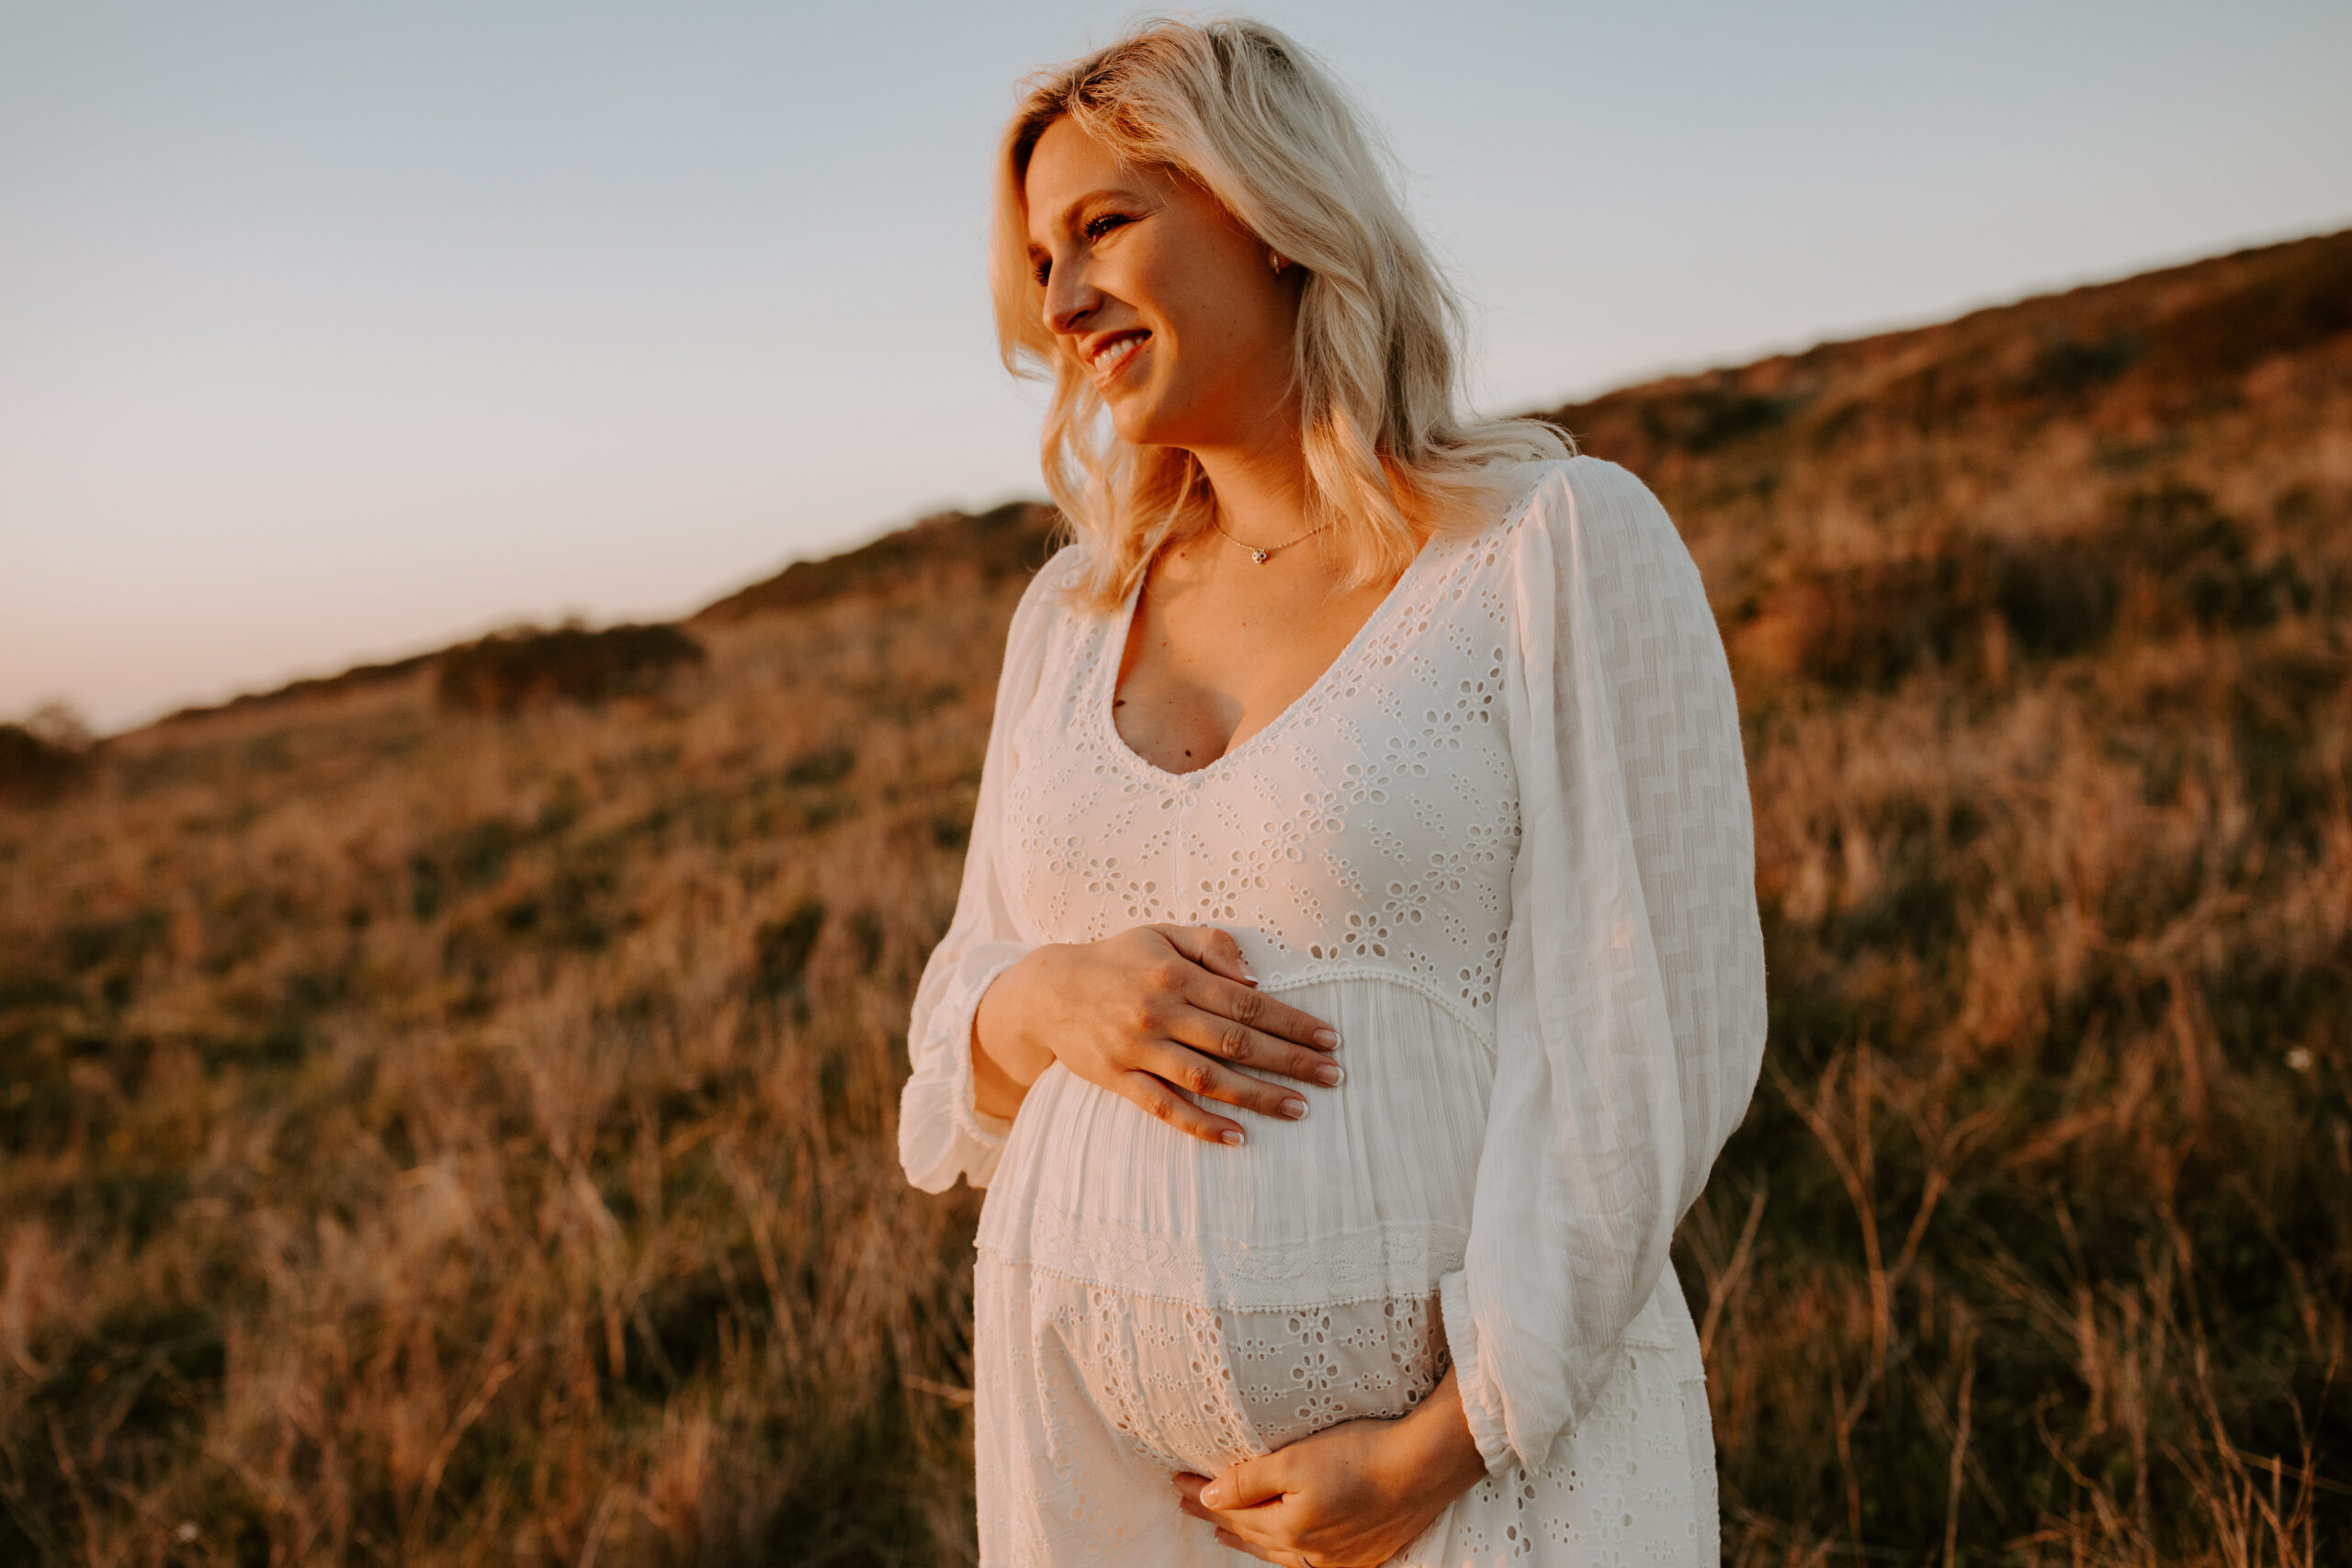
(1481, 1401)
(942, 1133)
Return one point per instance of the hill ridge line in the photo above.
(2085, 334)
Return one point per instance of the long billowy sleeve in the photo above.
(942, 1133)
(1630, 1022)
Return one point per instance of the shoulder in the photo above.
(1054, 609)
(1062, 569)
(1588, 521)
(1587, 500)
(1604, 588)
(1049, 597)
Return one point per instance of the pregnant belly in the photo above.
(1195, 1387)
(1222, 1301)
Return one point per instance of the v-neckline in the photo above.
(1105, 705)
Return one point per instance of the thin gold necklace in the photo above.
(1261, 554)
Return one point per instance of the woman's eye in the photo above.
(1038, 271)
(1098, 227)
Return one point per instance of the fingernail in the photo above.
(1213, 1495)
(1234, 1135)
(1294, 1108)
(1327, 1038)
(1329, 1075)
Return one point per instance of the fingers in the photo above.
(1247, 1484)
(1251, 1006)
(1212, 949)
(1231, 1041)
(1199, 1008)
(1230, 989)
(1238, 1526)
(1197, 1073)
(1162, 1103)
(1191, 1499)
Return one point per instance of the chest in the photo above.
(1211, 656)
(1371, 823)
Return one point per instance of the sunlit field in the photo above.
(449, 1113)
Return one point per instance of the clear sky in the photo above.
(332, 330)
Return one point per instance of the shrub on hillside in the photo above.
(1868, 626)
(508, 671)
(43, 757)
(1005, 542)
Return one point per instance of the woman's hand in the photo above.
(1143, 1014)
(1353, 1495)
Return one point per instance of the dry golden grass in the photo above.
(439, 1139)
(445, 1140)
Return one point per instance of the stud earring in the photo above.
(1278, 259)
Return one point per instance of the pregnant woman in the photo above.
(1357, 967)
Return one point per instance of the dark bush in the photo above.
(2204, 559)
(1872, 626)
(34, 771)
(829, 764)
(1705, 417)
(781, 951)
(358, 678)
(2058, 598)
(1008, 541)
(2300, 297)
(2070, 366)
(512, 671)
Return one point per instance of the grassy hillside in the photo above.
(442, 1135)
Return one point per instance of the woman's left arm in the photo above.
(1631, 1017)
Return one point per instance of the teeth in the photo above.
(1116, 354)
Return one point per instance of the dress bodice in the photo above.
(1368, 830)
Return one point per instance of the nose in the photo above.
(1070, 297)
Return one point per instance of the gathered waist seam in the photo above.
(1196, 1299)
(1322, 972)
(1639, 1335)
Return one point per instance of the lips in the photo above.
(1109, 355)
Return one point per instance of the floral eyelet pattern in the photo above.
(1371, 826)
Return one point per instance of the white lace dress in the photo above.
(1504, 845)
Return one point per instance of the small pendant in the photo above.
(1260, 557)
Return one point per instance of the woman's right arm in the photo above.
(1142, 1013)
(945, 1128)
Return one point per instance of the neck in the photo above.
(1260, 487)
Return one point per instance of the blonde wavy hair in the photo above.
(1251, 118)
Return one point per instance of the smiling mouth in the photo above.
(1113, 357)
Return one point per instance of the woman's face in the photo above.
(1172, 306)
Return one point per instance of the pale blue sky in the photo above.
(334, 330)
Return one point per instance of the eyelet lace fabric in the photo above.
(1502, 845)
(1095, 1396)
